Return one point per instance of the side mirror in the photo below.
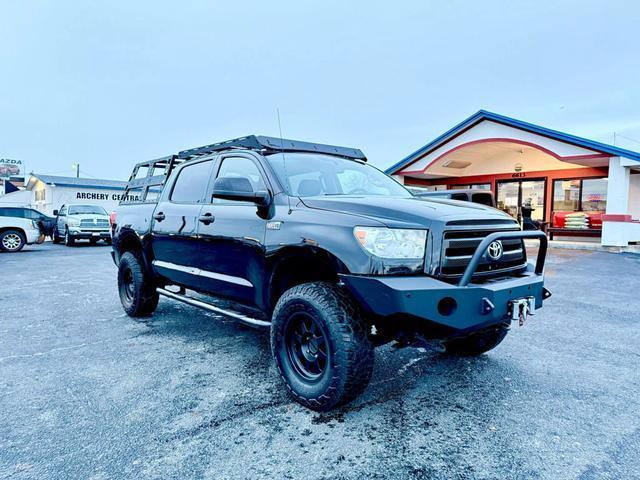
(239, 189)
(55, 213)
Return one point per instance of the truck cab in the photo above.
(326, 251)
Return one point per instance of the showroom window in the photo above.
(588, 195)
(594, 195)
(473, 186)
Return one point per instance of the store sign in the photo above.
(116, 197)
(11, 168)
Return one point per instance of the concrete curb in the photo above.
(594, 247)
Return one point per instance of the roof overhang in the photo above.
(486, 139)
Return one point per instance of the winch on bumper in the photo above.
(463, 307)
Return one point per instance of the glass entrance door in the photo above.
(522, 197)
(532, 193)
(508, 198)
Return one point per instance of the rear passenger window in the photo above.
(13, 212)
(459, 196)
(191, 183)
(482, 198)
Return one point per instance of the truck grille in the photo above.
(98, 223)
(458, 247)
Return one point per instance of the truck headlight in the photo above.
(392, 243)
(73, 222)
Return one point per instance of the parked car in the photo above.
(81, 222)
(483, 197)
(16, 232)
(329, 253)
(45, 222)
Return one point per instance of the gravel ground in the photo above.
(86, 392)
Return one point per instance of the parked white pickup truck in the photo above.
(16, 232)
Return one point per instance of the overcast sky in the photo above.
(109, 84)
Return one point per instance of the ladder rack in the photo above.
(147, 178)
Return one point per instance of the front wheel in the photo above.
(69, 241)
(321, 347)
(12, 241)
(137, 290)
(477, 343)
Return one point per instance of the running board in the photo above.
(254, 322)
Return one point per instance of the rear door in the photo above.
(175, 223)
(231, 259)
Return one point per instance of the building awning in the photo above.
(488, 143)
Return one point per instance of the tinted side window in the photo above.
(482, 198)
(14, 212)
(240, 167)
(191, 183)
(32, 214)
(62, 212)
(459, 196)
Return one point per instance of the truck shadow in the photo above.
(435, 381)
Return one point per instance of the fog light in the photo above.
(447, 306)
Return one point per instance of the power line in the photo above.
(87, 174)
(616, 135)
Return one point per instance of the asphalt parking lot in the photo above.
(86, 392)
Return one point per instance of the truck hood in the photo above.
(405, 212)
(89, 216)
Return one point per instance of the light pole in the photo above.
(77, 167)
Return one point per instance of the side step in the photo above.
(254, 322)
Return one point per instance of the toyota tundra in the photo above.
(327, 252)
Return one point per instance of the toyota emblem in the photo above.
(495, 250)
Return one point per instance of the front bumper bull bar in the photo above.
(463, 307)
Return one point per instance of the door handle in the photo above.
(207, 218)
(159, 216)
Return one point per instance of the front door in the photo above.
(231, 259)
(175, 224)
(512, 196)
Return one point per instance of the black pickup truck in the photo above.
(329, 253)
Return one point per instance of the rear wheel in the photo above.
(477, 343)
(321, 347)
(12, 241)
(137, 290)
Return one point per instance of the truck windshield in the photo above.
(310, 174)
(84, 209)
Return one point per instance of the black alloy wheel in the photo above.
(306, 346)
(320, 344)
(127, 285)
(136, 287)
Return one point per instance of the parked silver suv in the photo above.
(81, 222)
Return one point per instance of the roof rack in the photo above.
(273, 145)
(147, 175)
